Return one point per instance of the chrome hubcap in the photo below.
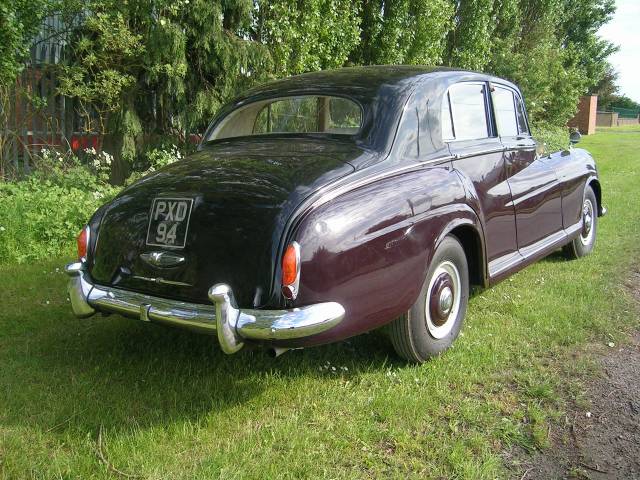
(586, 235)
(443, 301)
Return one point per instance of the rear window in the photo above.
(302, 114)
(469, 111)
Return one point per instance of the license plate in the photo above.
(169, 222)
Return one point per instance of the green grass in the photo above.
(169, 404)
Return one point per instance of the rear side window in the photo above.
(504, 109)
(469, 111)
(446, 122)
(522, 119)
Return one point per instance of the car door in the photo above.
(535, 189)
(478, 155)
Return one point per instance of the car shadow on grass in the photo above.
(61, 373)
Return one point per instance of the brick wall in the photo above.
(585, 119)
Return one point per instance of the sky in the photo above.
(624, 30)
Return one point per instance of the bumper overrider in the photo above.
(232, 325)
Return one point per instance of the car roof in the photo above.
(382, 91)
(363, 83)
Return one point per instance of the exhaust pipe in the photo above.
(275, 352)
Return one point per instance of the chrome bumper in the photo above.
(232, 325)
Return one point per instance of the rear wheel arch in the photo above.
(472, 244)
(468, 231)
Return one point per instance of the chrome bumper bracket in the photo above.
(227, 315)
(232, 325)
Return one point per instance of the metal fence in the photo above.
(626, 112)
(34, 114)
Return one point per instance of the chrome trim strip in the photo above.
(532, 193)
(526, 253)
(232, 325)
(459, 156)
(575, 228)
(332, 193)
(505, 262)
(537, 247)
(161, 280)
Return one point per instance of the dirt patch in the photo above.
(601, 441)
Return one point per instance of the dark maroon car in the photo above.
(329, 204)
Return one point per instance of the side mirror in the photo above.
(575, 137)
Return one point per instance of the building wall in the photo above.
(585, 118)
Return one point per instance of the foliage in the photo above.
(167, 73)
(550, 138)
(608, 95)
(551, 50)
(306, 36)
(470, 39)
(622, 101)
(104, 52)
(606, 88)
(19, 22)
(147, 68)
(402, 31)
(41, 215)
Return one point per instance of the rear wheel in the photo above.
(435, 320)
(583, 244)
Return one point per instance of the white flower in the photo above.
(2, 229)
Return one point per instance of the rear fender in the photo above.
(369, 249)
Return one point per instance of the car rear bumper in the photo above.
(232, 325)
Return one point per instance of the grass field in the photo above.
(88, 398)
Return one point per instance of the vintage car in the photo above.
(329, 204)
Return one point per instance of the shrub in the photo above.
(550, 138)
(41, 215)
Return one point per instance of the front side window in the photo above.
(469, 111)
(504, 109)
(302, 114)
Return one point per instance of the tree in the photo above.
(606, 88)
(402, 31)
(19, 23)
(470, 37)
(148, 70)
(307, 36)
(551, 50)
(622, 101)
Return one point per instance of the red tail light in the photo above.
(83, 243)
(291, 270)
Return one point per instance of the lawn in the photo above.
(91, 398)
